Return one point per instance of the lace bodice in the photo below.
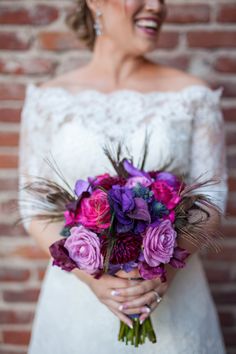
(186, 129)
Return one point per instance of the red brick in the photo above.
(15, 316)
(11, 230)
(224, 297)
(188, 13)
(227, 253)
(10, 115)
(9, 139)
(225, 64)
(217, 275)
(14, 41)
(212, 39)
(20, 337)
(230, 138)
(14, 274)
(41, 273)
(232, 184)
(168, 40)
(231, 207)
(230, 336)
(30, 252)
(230, 114)
(8, 161)
(58, 41)
(40, 15)
(27, 66)
(177, 61)
(9, 351)
(12, 91)
(229, 230)
(231, 161)
(27, 295)
(227, 13)
(227, 319)
(10, 184)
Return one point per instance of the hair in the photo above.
(81, 22)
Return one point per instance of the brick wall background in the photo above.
(35, 45)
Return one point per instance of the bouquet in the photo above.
(128, 221)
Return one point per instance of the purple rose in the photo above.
(84, 248)
(148, 272)
(159, 243)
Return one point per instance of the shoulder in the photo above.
(180, 79)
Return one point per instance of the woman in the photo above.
(116, 95)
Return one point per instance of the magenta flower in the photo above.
(94, 212)
(159, 243)
(84, 249)
(106, 181)
(165, 194)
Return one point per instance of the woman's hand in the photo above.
(141, 294)
(106, 288)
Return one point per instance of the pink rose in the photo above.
(159, 243)
(84, 249)
(132, 181)
(165, 194)
(94, 212)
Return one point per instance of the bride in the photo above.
(116, 95)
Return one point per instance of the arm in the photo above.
(35, 134)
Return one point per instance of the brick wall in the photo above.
(35, 45)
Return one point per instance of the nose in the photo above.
(153, 5)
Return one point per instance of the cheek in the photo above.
(131, 6)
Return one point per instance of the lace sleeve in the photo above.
(208, 156)
(33, 148)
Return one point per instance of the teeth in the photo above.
(147, 23)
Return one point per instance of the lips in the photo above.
(149, 25)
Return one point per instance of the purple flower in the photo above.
(133, 171)
(84, 249)
(82, 186)
(131, 213)
(148, 272)
(158, 243)
(179, 257)
(61, 256)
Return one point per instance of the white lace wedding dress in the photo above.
(187, 128)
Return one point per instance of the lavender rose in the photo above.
(159, 243)
(84, 248)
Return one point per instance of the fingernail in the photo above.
(120, 307)
(146, 309)
(130, 326)
(114, 292)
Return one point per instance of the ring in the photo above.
(158, 297)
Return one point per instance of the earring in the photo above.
(97, 25)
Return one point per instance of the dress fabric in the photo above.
(187, 131)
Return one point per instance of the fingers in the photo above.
(140, 301)
(141, 288)
(143, 316)
(122, 317)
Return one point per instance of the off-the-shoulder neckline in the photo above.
(123, 91)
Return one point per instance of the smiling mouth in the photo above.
(148, 26)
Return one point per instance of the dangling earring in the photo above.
(97, 25)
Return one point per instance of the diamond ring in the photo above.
(158, 297)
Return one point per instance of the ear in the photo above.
(93, 5)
